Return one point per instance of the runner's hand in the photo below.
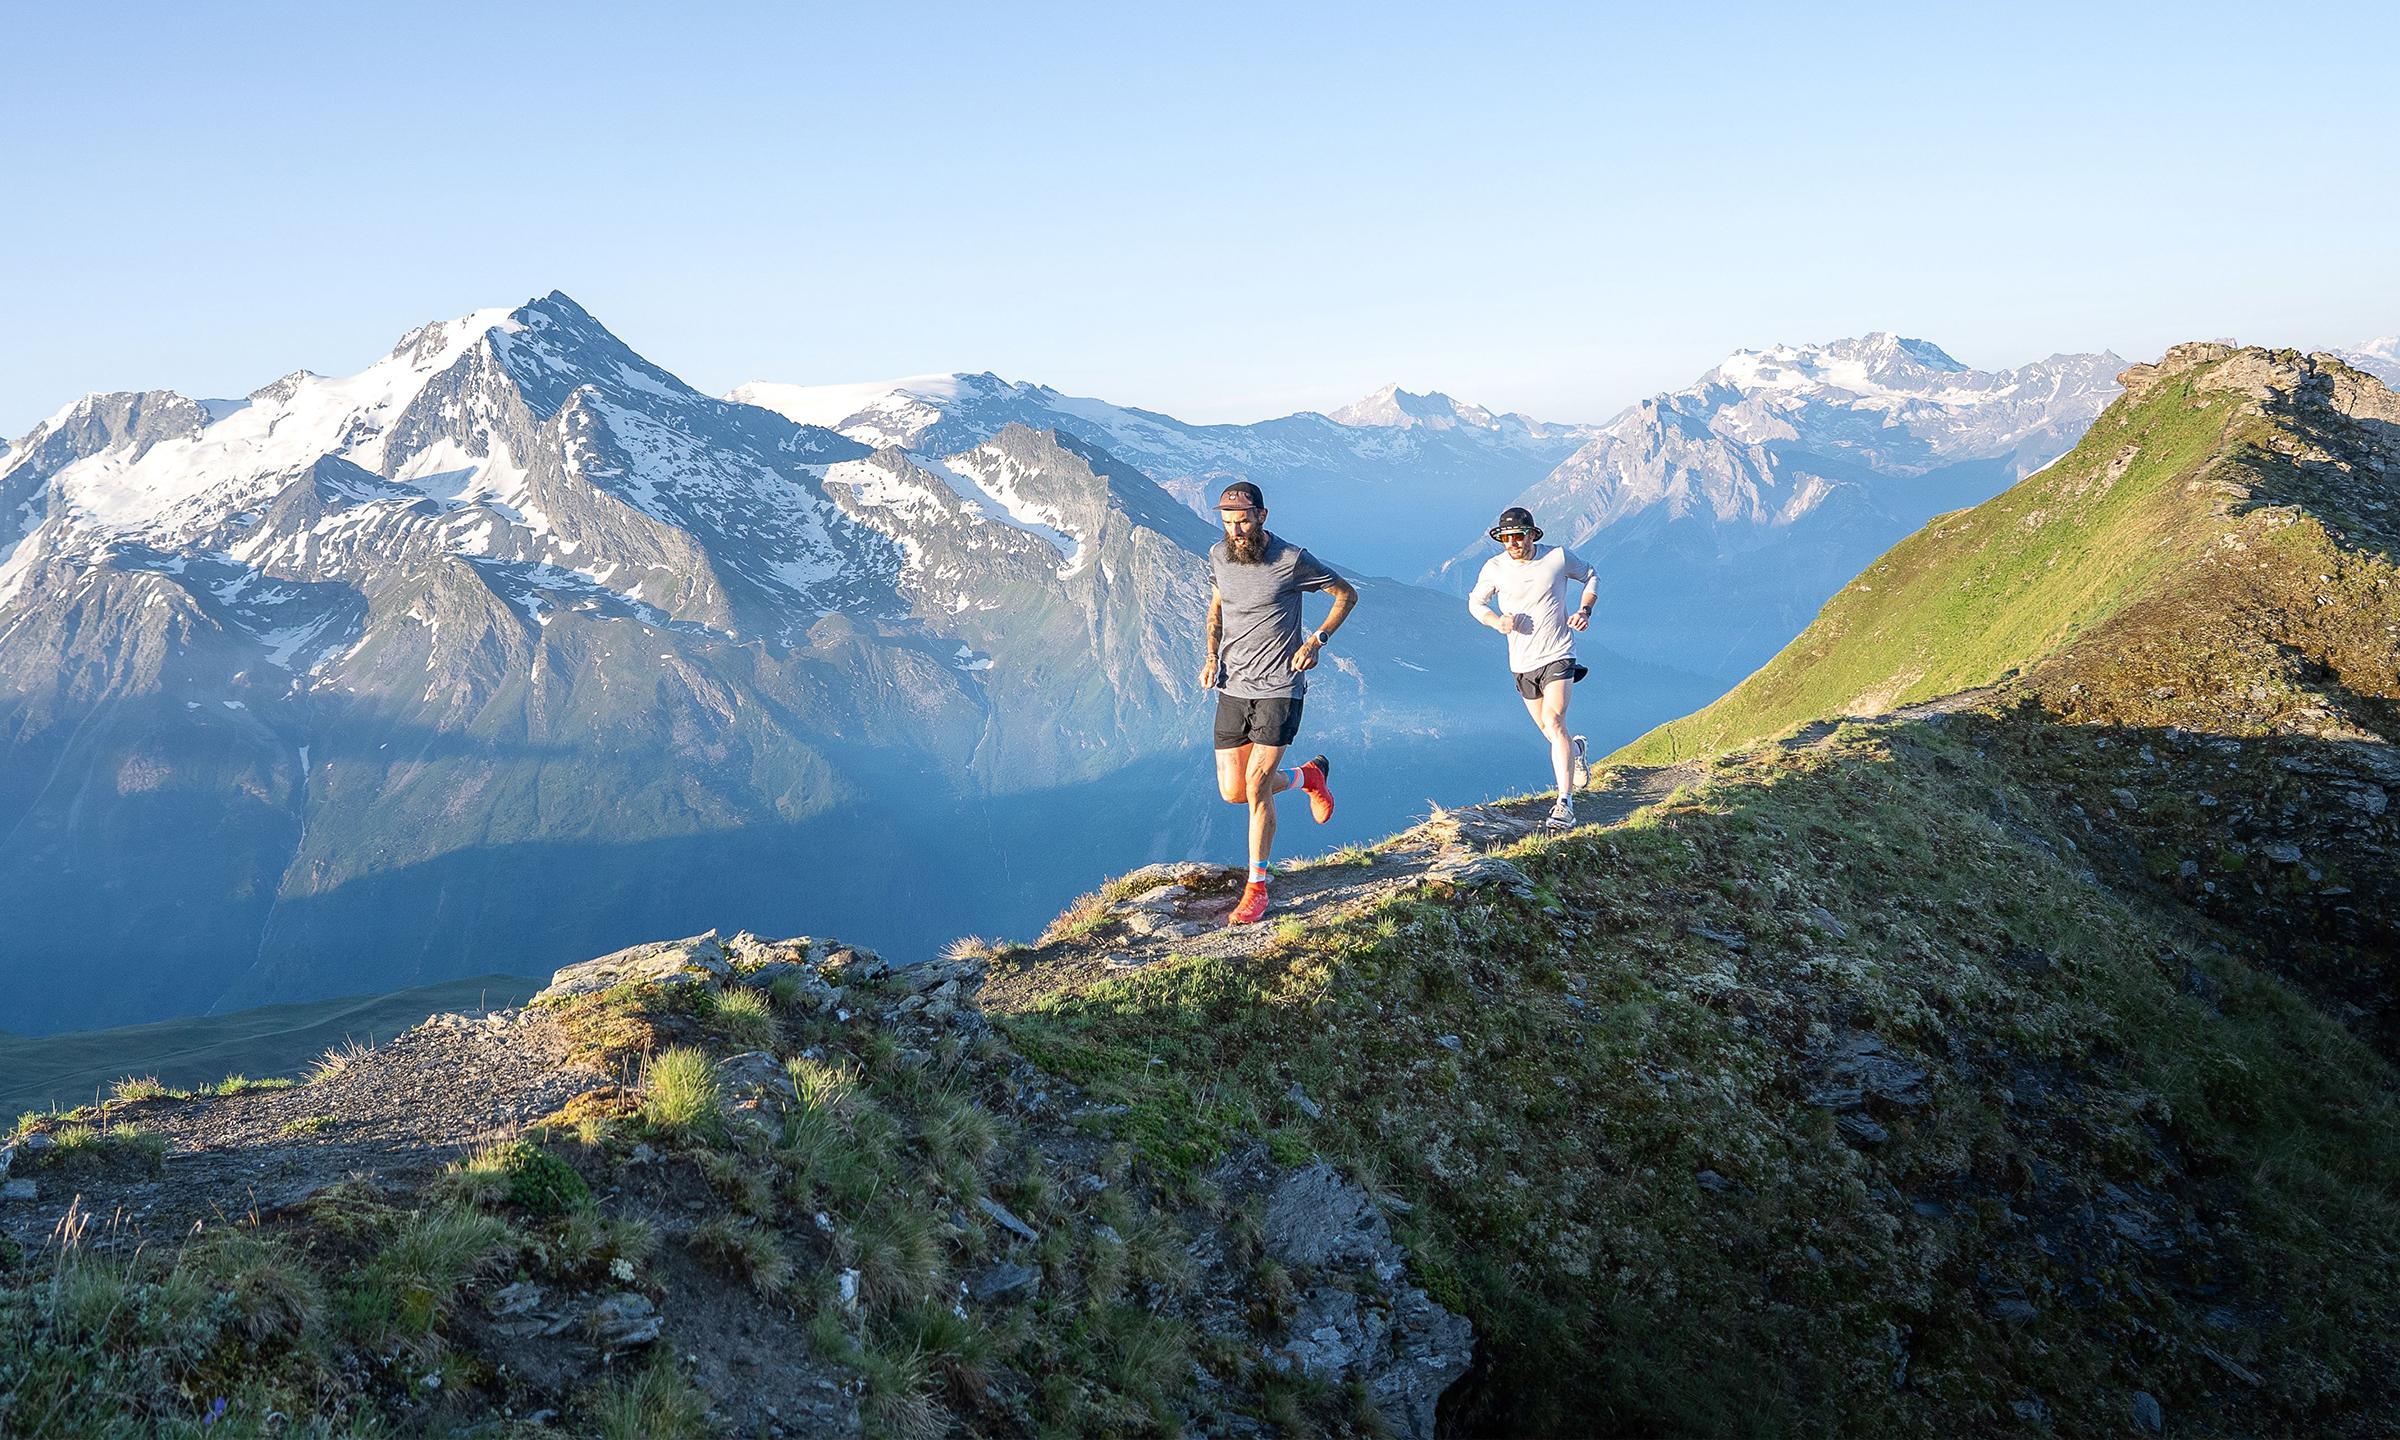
(1581, 619)
(1305, 658)
(1208, 673)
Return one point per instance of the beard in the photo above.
(1250, 549)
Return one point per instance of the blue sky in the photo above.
(1221, 211)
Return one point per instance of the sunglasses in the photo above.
(1507, 535)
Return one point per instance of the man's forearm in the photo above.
(1345, 597)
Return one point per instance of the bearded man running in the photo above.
(1530, 584)
(1258, 661)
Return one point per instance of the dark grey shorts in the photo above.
(1274, 721)
(1531, 683)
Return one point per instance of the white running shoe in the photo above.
(1562, 815)
(1582, 773)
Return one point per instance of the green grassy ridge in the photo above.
(1978, 593)
(47, 1071)
(1606, 1056)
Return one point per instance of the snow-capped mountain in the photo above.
(512, 647)
(1723, 514)
(1385, 484)
(2379, 357)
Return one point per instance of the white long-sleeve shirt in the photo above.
(1537, 589)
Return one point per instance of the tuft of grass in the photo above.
(144, 1087)
(739, 1180)
(897, 1251)
(654, 1402)
(337, 1059)
(824, 1087)
(680, 1092)
(589, 1241)
(517, 1173)
(970, 947)
(272, 1294)
(306, 1125)
(744, 1019)
(900, 1402)
(746, 1248)
(244, 1085)
(407, 1289)
(82, 1149)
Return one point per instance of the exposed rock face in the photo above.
(1357, 1317)
(695, 960)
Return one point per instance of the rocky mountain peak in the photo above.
(1399, 409)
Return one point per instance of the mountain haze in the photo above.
(513, 645)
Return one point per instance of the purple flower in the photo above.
(216, 1412)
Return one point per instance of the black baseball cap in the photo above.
(1241, 495)
(1515, 517)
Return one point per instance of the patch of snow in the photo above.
(999, 478)
(349, 417)
(830, 405)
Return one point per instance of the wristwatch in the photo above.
(1318, 636)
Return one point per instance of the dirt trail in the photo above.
(1180, 909)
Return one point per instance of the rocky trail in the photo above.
(396, 1114)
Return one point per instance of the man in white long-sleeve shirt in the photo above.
(1530, 585)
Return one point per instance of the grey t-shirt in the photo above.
(1261, 605)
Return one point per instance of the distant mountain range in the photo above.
(1722, 515)
(512, 646)
(1390, 483)
(2379, 357)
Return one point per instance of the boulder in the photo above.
(1185, 873)
(625, 1320)
(694, 960)
(1005, 1282)
(758, 1091)
(1006, 1219)
(852, 963)
(1475, 872)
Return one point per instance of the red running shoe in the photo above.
(1253, 907)
(1313, 776)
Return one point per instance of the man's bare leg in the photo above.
(1265, 779)
(1549, 713)
(1233, 774)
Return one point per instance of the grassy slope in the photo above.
(1617, 1171)
(1980, 592)
(67, 1070)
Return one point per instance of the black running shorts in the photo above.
(1273, 721)
(1530, 683)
